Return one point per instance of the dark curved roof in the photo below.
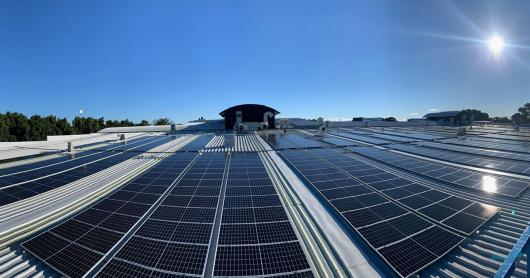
(442, 114)
(248, 106)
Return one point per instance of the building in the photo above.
(402, 201)
(445, 117)
(249, 117)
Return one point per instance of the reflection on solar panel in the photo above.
(29, 184)
(197, 144)
(413, 135)
(363, 138)
(422, 199)
(478, 151)
(451, 175)
(338, 141)
(30, 171)
(278, 141)
(75, 246)
(392, 137)
(468, 159)
(399, 236)
(493, 144)
(508, 137)
(67, 159)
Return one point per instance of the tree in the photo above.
(17, 127)
(390, 119)
(144, 123)
(162, 121)
(501, 120)
(523, 114)
(472, 114)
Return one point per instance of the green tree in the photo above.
(472, 114)
(144, 123)
(523, 114)
(17, 127)
(162, 121)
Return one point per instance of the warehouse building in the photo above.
(351, 202)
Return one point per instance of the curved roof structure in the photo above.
(249, 106)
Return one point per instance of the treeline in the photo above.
(18, 127)
(523, 114)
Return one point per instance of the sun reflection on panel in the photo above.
(489, 184)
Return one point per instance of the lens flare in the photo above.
(496, 45)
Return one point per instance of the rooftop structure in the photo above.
(355, 201)
(249, 116)
(445, 116)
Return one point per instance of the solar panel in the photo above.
(79, 158)
(256, 236)
(474, 180)
(278, 142)
(34, 182)
(197, 144)
(499, 143)
(510, 166)
(175, 238)
(74, 246)
(413, 195)
(362, 138)
(473, 149)
(381, 223)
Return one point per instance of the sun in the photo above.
(496, 45)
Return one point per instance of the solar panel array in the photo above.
(362, 138)
(175, 237)
(13, 175)
(468, 159)
(75, 246)
(451, 175)
(507, 137)
(278, 142)
(490, 145)
(456, 213)
(394, 138)
(67, 158)
(28, 184)
(204, 213)
(256, 236)
(407, 134)
(338, 141)
(158, 225)
(478, 151)
(403, 239)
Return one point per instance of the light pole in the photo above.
(81, 125)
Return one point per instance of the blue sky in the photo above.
(337, 59)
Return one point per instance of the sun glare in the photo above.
(489, 184)
(496, 45)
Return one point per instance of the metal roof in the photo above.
(324, 198)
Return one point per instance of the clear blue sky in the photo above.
(185, 59)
